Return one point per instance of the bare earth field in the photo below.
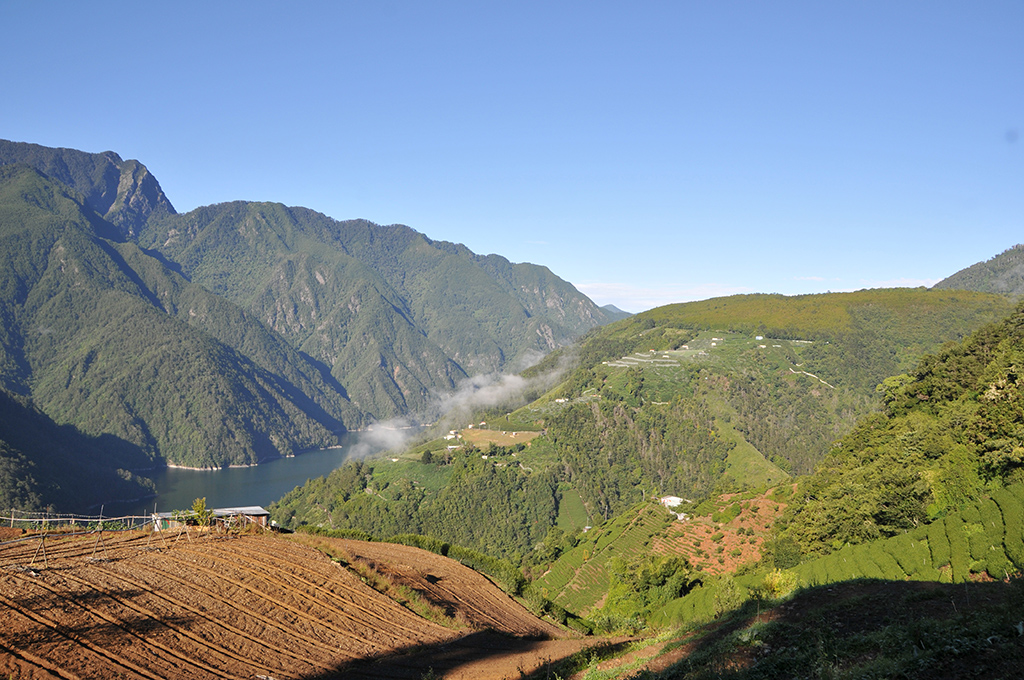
(139, 606)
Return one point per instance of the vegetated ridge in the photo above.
(104, 337)
(1004, 273)
(927, 492)
(278, 330)
(659, 405)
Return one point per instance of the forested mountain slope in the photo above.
(44, 464)
(1003, 274)
(277, 330)
(398, 317)
(105, 338)
(124, 193)
(952, 429)
(681, 400)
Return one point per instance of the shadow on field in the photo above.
(869, 628)
(483, 654)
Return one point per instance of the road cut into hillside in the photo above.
(141, 606)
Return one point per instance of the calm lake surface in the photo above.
(233, 487)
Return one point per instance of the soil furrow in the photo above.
(290, 633)
(317, 622)
(203, 644)
(59, 547)
(63, 631)
(176, 604)
(37, 663)
(124, 626)
(448, 583)
(334, 596)
(382, 600)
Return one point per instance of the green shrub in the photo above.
(978, 541)
(863, 562)
(696, 606)
(992, 521)
(818, 574)
(971, 515)
(353, 534)
(997, 564)
(927, 573)
(899, 548)
(804, 572)
(886, 562)
(919, 556)
(580, 625)
(845, 564)
(959, 550)
(727, 515)
(778, 583)
(1013, 524)
(938, 544)
(429, 543)
(507, 576)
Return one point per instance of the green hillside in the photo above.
(984, 540)
(43, 464)
(124, 193)
(107, 339)
(660, 404)
(582, 576)
(241, 331)
(784, 377)
(1002, 274)
(950, 432)
(396, 316)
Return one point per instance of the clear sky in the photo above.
(648, 152)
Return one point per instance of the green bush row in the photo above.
(1013, 523)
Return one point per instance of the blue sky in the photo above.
(650, 153)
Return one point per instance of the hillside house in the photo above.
(245, 515)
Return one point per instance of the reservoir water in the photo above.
(234, 487)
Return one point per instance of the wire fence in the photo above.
(57, 522)
(22, 526)
(19, 526)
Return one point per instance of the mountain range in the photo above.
(241, 331)
(817, 438)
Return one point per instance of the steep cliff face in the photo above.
(125, 193)
(138, 196)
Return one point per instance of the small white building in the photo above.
(674, 502)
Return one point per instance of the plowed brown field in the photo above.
(139, 606)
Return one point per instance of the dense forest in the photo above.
(396, 316)
(105, 338)
(952, 429)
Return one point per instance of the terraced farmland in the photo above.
(138, 606)
(580, 578)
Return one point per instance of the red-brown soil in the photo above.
(135, 605)
(465, 594)
(693, 538)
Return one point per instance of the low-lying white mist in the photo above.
(452, 409)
